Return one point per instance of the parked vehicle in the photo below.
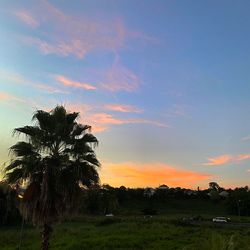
(221, 219)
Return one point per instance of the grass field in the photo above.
(159, 232)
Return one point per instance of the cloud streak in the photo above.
(20, 79)
(134, 174)
(123, 108)
(26, 17)
(75, 84)
(8, 97)
(226, 159)
(103, 121)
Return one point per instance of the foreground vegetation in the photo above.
(53, 176)
(138, 232)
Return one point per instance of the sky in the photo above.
(164, 84)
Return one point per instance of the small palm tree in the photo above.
(56, 158)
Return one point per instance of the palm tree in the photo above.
(54, 161)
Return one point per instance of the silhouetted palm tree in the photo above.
(55, 160)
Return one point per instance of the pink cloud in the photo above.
(60, 48)
(134, 174)
(103, 121)
(26, 17)
(75, 35)
(71, 83)
(123, 108)
(8, 97)
(226, 159)
(119, 78)
(19, 79)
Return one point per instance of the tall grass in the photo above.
(130, 233)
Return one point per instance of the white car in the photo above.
(109, 215)
(221, 219)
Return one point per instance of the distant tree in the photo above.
(238, 202)
(121, 194)
(56, 158)
(109, 202)
(8, 205)
(93, 203)
(214, 186)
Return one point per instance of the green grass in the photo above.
(130, 233)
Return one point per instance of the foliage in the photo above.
(131, 233)
(56, 158)
(99, 201)
(9, 213)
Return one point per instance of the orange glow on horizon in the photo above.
(134, 175)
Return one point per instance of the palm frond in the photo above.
(14, 164)
(15, 176)
(79, 129)
(91, 158)
(30, 131)
(88, 139)
(71, 117)
(59, 113)
(88, 174)
(23, 149)
(44, 119)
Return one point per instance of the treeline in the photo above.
(102, 200)
(9, 213)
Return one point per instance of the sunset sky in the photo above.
(164, 84)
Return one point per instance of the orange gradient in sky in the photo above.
(131, 174)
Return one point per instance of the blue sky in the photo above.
(165, 84)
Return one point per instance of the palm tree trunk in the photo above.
(45, 236)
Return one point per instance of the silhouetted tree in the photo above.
(8, 205)
(214, 186)
(55, 160)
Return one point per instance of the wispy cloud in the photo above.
(71, 83)
(74, 35)
(26, 17)
(178, 110)
(123, 108)
(226, 159)
(246, 138)
(69, 35)
(22, 103)
(8, 97)
(50, 89)
(135, 174)
(103, 121)
(20, 79)
(120, 78)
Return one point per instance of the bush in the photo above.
(149, 211)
